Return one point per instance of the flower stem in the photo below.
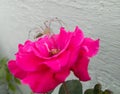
(65, 88)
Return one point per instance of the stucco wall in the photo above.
(97, 18)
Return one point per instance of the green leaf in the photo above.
(89, 91)
(2, 73)
(3, 61)
(72, 86)
(12, 86)
(107, 92)
(8, 77)
(17, 81)
(98, 89)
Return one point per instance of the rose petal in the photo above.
(92, 46)
(25, 58)
(63, 38)
(15, 70)
(62, 75)
(27, 47)
(77, 38)
(80, 69)
(41, 82)
(40, 49)
(57, 63)
(28, 62)
(74, 46)
(73, 55)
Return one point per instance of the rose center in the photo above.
(54, 51)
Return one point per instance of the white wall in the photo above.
(97, 18)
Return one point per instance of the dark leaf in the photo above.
(107, 92)
(72, 86)
(89, 91)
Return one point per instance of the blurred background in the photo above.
(97, 18)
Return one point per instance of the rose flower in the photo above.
(46, 62)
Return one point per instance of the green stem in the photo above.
(65, 88)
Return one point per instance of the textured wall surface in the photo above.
(97, 18)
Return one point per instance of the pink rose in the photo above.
(46, 62)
